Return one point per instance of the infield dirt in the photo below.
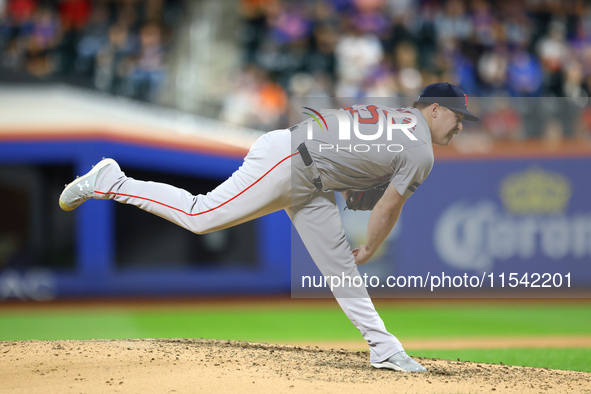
(212, 366)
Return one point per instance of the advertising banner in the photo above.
(516, 224)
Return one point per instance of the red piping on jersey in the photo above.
(209, 210)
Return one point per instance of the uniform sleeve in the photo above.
(411, 168)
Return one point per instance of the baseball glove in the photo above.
(365, 200)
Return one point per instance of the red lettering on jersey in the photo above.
(373, 110)
(405, 120)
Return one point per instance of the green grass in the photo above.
(273, 323)
(554, 358)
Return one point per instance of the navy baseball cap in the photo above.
(449, 96)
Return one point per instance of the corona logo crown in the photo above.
(535, 191)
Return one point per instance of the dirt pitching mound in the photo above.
(199, 365)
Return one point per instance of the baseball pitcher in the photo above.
(299, 170)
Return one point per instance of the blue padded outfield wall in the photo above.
(470, 217)
(95, 273)
(506, 217)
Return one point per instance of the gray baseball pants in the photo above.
(272, 177)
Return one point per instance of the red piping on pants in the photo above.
(209, 210)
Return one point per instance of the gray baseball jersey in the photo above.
(356, 149)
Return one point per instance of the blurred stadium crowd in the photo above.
(389, 48)
(312, 48)
(111, 45)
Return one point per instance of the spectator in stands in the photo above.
(19, 15)
(357, 53)
(17, 25)
(452, 22)
(492, 71)
(74, 15)
(406, 63)
(113, 60)
(524, 74)
(254, 29)
(92, 37)
(147, 70)
(320, 57)
(40, 56)
(370, 17)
